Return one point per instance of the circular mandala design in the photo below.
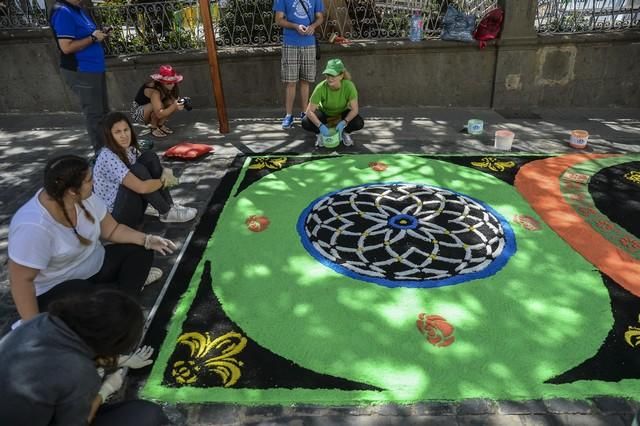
(403, 234)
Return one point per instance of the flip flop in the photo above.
(166, 129)
(158, 133)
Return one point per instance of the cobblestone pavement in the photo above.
(27, 141)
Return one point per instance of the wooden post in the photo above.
(214, 69)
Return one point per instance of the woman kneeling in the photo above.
(334, 100)
(157, 100)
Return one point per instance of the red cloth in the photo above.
(489, 26)
(188, 151)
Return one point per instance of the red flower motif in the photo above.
(378, 166)
(436, 329)
(257, 223)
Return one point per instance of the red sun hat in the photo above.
(166, 74)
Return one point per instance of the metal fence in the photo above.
(146, 27)
(576, 16)
(140, 28)
(177, 25)
(19, 14)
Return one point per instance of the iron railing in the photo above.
(176, 25)
(20, 14)
(576, 16)
(139, 28)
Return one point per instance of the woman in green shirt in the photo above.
(334, 100)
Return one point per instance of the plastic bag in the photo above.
(458, 26)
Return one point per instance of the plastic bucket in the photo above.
(504, 139)
(579, 139)
(475, 126)
(331, 141)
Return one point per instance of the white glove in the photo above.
(140, 358)
(159, 244)
(111, 384)
(168, 179)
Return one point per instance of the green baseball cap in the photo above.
(334, 67)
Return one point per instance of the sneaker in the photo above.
(319, 141)
(154, 275)
(151, 211)
(178, 214)
(302, 116)
(287, 122)
(346, 139)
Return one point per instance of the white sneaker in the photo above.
(346, 139)
(154, 275)
(319, 140)
(179, 214)
(151, 211)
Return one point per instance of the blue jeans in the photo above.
(91, 88)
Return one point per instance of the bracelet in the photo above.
(147, 242)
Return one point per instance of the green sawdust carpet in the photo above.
(399, 278)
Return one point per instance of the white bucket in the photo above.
(503, 140)
(579, 139)
(475, 126)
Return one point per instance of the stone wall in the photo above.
(521, 71)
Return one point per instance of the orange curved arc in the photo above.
(539, 184)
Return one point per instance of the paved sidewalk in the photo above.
(27, 141)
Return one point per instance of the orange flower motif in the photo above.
(257, 223)
(378, 166)
(436, 329)
(527, 222)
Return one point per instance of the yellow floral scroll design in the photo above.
(632, 335)
(493, 164)
(260, 163)
(216, 356)
(633, 176)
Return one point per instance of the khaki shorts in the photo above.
(298, 63)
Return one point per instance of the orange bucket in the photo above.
(579, 139)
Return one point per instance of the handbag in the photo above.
(304, 6)
(457, 25)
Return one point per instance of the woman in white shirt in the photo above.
(128, 180)
(55, 248)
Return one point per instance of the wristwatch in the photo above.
(93, 38)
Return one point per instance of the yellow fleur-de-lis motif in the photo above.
(633, 176)
(260, 163)
(493, 164)
(201, 346)
(632, 335)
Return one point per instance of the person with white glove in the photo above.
(159, 244)
(168, 179)
(129, 180)
(53, 254)
(138, 359)
(48, 371)
(111, 384)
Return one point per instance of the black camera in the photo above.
(186, 102)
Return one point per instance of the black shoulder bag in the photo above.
(311, 21)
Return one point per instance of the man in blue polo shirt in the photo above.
(299, 20)
(82, 63)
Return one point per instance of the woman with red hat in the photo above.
(157, 100)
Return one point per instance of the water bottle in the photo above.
(415, 30)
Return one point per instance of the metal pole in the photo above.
(214, 69)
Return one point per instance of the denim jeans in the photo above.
(91, 88)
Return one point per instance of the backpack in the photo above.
(489, 26)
